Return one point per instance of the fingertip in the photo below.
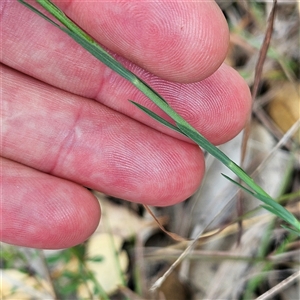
(235, 104)
(230, 103)
(42, 211)
(180, 41)
(169, 175)
(73, 222)
(201, 48)
(218, 106)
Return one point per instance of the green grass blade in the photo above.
(203, 142)
(182, 125)
(271, 205)
(95, 49)
(281, 212)
(101, 55)
(291, 230)
(155, 116)
(216, 152)
(39, 13)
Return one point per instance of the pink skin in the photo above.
(56, 139)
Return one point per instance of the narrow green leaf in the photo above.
(203, 142)
(96, 50)
(291, 230)
(276, 213)
(39, 13)
(280, 211)
(271, 205)
(238, 184)
(155, 116)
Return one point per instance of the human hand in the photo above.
(67, 121)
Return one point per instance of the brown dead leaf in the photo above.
(119, 220)
(108, 272)
(18, 285)
(174, 289)
(285, 107)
